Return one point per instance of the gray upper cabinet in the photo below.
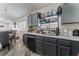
(29, 20)
(70, 13)
(35, 19)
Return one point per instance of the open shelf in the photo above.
(49, 19)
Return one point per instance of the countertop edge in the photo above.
(73, 38)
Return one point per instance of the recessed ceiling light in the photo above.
(5, 9)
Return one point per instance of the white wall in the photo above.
(67, 29)
(11, 25)
(22, 24)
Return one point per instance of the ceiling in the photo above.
(14, 11)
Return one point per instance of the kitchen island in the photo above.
(48, 45)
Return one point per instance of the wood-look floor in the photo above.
(17, 49)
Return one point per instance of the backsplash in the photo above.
(67, 29)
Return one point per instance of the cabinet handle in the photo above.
(50, 43)
(31, 36)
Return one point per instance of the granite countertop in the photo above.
(75, 38)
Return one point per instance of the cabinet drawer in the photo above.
(39, 38)
(49, 39)
(24, 35)
(31, 35)
(64, 42)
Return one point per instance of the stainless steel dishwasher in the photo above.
(31, 42)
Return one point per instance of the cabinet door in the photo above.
(75, 48)
(39, 47)
(35, 19)
(25, 39)
(70, 13)
(63, 51)
(29, 20)
(49, 49)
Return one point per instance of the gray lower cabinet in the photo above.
(25, 39)
(39, 47)
(74, 48)
(64, 47)
(63, 50)
(49, 49)
(48, 46)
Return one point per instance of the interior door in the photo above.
(49, 49)
(63, 50)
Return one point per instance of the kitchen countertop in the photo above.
(74, 38)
